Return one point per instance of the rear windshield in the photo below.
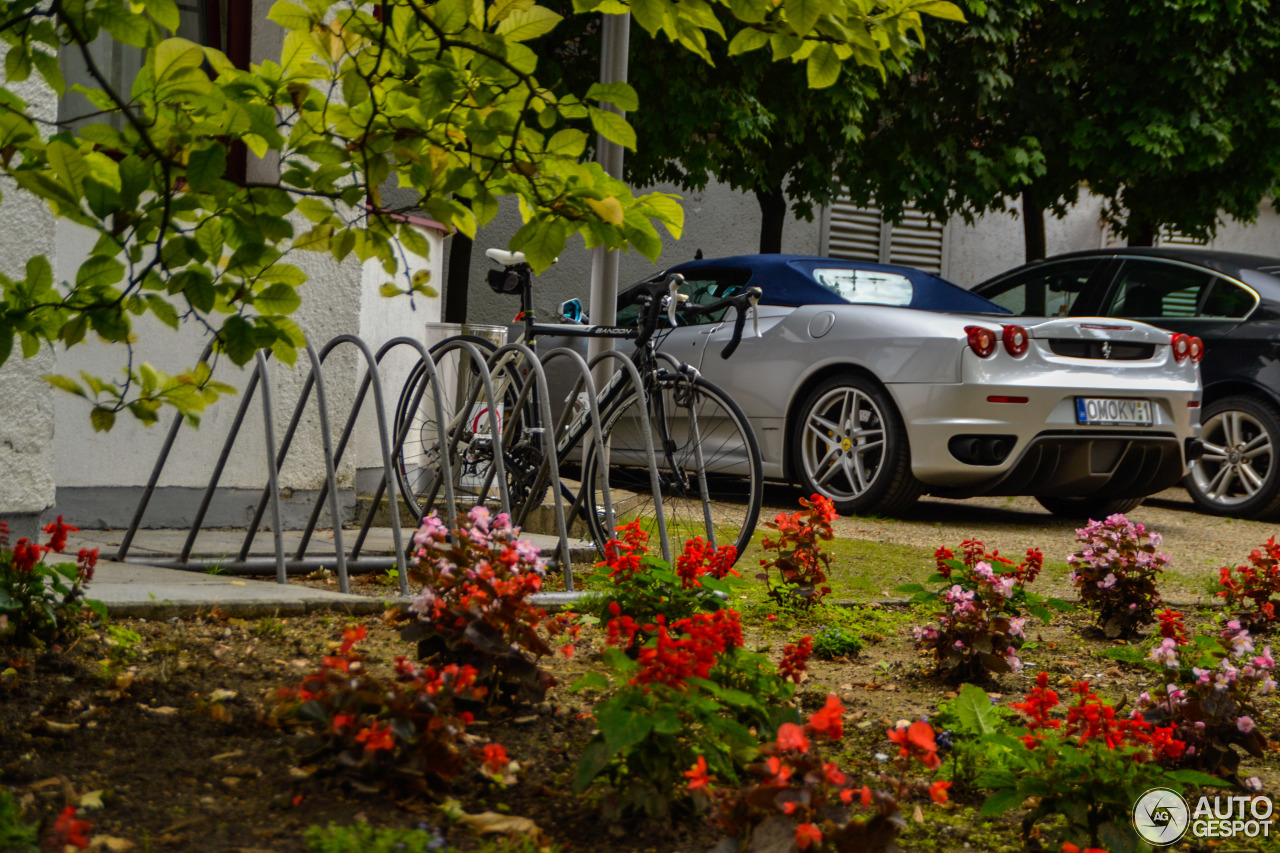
(866, 286)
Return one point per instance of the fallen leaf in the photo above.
(110, 843)
(918, 814)
(221, 695)
(224, 756)
(163, 710)
(91, 800)
(492, 823)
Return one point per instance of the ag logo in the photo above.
(1161, 816)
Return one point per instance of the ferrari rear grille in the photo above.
(1113, 350)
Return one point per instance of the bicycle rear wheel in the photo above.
(692, 421)
(418, 458)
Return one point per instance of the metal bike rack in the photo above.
(342, 561)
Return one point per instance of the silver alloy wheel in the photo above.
(843, 443)
(1237, 458)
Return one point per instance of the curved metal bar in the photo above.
(548, 449)
(586, 382)
(269, 428)
(372, 377)
(221, 464)
(156, 471)
(655, 483)
(495, 429)
(330, 472)
(281, 455)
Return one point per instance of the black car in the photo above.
(1230, 301)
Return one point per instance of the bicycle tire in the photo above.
(731, 455)
(417, 466)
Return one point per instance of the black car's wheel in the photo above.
(1238, 474)
(849, 445)
(1087, 508)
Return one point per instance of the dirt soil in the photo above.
(168, 752)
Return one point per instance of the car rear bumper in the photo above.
(1119, 465)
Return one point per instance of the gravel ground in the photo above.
(1196, 543)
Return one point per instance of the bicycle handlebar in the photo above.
(649, 296)
(741, 303)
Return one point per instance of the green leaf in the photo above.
(541, 240)
(173, 57)
(65, 383)
(69, 166)
(591, 681)
(238, 339)
(595, 758)
(6, 340)
(528, 24)
(570, 142)
(803, 14)
(622, 727)
(973, 707)
(747, 40)
(99, 272)
(205, 166)
(278, 299)
(291, 16)
(1001, 802)
(1199, 779)
(613, 127)
(102, 419)
(621, 95)
(941, 9)
(822, 67)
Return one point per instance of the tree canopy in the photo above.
(1166, 109)
(436, 98)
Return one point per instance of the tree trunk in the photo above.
(1144, 234)
(1032, 225)
(457, 279)
(773, 215)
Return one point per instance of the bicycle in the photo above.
(708, 461)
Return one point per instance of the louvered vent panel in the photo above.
(917, 242)
(1176, 239)
(855, 232)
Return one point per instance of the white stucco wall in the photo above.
(27, 416)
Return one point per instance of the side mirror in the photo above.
(571, 311)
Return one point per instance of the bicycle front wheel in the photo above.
(708, 467)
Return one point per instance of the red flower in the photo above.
(375, 739)
(917, 739)
(807, 834)
(26, 554)
(791, 736)
(58, 535)
(697, 775)
(781, 772)
(1068, 847)
(87, 559)
(495, 758)
(829, 720)
(341, 721)
(795, 659)
(69, 831)
(833, 775)
(938, 791)
(351, 636)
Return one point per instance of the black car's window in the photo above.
(1227, 299)
(1162, 290)
(1048, 290)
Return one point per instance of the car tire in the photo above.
(1087, 508)
(1239, 474)
(864, 470)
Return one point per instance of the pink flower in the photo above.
(1244, 724)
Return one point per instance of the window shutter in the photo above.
(859, 233)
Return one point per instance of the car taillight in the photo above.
(1016, 340)
(1181, 345)
(981, 340)
(1196, 348)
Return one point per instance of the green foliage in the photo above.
(439, 100)
(800, 561)
(1161, 109)
(122, 646)
(831, 642)
(269, 628)
(965, 722)
(363, 838)
(15, 833)
(693, 692)
(42, 603)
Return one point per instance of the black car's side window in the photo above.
(1165, 290)
(1045, 291)
(703, 293)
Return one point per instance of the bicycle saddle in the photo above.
(504, 257)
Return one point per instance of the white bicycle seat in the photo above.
(504, 257)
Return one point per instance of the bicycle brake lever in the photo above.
(673, 297)
(754, 300)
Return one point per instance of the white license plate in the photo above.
(1105, 411)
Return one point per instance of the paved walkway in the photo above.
(137, 589)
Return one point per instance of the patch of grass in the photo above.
(269, 628)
